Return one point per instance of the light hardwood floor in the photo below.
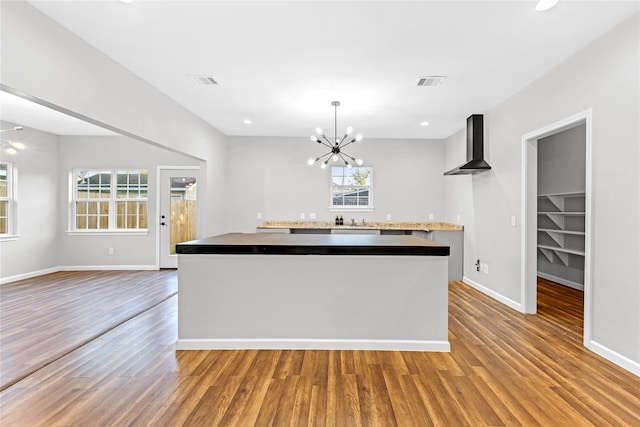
(46, 317)
(505, 368)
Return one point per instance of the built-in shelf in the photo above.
(562, 250)
(561, 226)
(550, 230)
(572, 194)
(560, 213)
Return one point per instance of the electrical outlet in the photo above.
(430, 217)
(513, 221)
(110, 251)
(259, 215)
(312, 215)
(388, 217)
(302, 215)
(484, 268)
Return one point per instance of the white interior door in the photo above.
(178, 211)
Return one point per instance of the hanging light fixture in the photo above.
(337, 145)
(12, 147)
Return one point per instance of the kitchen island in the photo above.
(447, 233)
(288, 291)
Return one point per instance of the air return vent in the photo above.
(431, 80)
(204, 80)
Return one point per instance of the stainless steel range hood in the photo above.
(475, 148)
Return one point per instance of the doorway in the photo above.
(529, 214)
(178, 211)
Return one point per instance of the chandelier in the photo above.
(12, 147)
(337, 145)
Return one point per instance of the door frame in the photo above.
(199, 196)
(528, 212)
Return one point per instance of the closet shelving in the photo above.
(561, 230)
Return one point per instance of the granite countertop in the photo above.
(314, 244)
(413, 226)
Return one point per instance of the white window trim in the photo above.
(12, 199)
(111, 231)
(368, 208)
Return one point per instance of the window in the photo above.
(110, 200)
(351, 188)
(7, 195)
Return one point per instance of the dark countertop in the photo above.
(312, 244)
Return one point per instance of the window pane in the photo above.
(104, 208)
(350, 186)
(3, 180)
(4, 220)
(94, 186)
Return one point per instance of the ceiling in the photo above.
(281, 64)
(26, 113)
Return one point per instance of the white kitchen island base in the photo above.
(346, 302)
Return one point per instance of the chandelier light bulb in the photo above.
(348, 165)
(319, 131)
(334, 158)
(359, 137)
(310, 162)
(324, 165)
(359, 162)
(314, 138)
(349, 130)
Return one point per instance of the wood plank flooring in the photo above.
(45, 317)
(505, 368)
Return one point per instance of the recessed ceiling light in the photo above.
(425, 123)
(247, 121)
(127, 1)
(545, 5)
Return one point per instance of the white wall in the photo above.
(42, 59)
(36, 248)
(270, 175)
(605, 77)
(561, 161)
(110, 152)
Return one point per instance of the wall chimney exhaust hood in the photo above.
(475, 148)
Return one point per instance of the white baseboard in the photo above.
(311, 344)
(29, 275)
(493, 294)
(106, 267)
(620, 360)
(565, 282)
(32, 274)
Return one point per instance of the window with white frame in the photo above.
(351, 187)
(109, 200)
(7, 193)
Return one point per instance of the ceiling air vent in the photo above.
(431, 80)
(204, 80)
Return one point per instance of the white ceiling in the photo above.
(282, 63)
(29, 114)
